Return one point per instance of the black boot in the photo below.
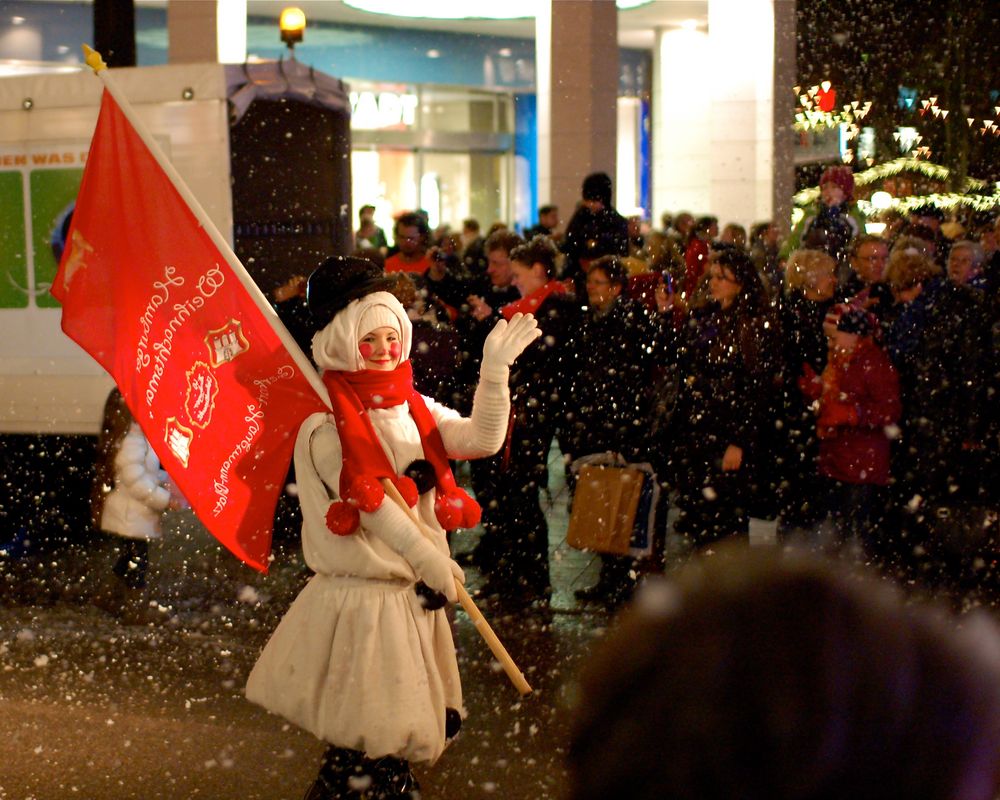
(392, 780)
(350, 775)
(615, 584)
(342, 776)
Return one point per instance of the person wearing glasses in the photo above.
(865, 286)
(411, 235)
(612, 400)
(725, 356)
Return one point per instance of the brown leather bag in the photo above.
(604, 508)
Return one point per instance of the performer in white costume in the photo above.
(364, 658)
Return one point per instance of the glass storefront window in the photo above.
(465, 112)
(386, 179)
(448, 151)
(449, 186)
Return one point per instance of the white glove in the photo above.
(435, 569)
(398, 531)
(505, 343)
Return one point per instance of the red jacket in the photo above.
(695, 263)
(860, 402)
(396, 264)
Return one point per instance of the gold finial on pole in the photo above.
(93, 58)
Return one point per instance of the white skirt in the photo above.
(360, 664)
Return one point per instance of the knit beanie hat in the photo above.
(843, 177)
(377, 316)
(336, 346)
(597, 186)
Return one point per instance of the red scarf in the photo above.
(365, 462)
(530, 304)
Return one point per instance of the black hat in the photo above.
(857, 321)
(597, 186)
(338, 281)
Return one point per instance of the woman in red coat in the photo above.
(858, 408)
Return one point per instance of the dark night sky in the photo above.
(944, 48)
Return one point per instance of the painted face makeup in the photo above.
(380, 349)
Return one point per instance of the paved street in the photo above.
(93, 709)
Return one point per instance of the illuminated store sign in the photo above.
(378, 111)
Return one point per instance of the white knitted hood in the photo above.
(336, 346)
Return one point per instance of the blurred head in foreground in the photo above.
(761, 676)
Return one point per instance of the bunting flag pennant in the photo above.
(200, 358)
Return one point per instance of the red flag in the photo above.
(149, 295)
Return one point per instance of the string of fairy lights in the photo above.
(817, 110)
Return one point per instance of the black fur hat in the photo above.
(338, 281)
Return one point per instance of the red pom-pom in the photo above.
(472, 512)
(448, 512)
(342, 519)
(366, 493)
(408, 489)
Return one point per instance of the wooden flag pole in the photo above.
(492, 640)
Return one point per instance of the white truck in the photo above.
(52, 392)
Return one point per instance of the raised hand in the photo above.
(508, 340)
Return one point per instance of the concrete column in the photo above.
(202, 31)
(681, 122)
(721, 145)
(784, 134)
(741, 52)
(576, 64)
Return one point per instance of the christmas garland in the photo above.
(924, 168)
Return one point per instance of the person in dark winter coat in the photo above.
(595, 230)
(515, 538)
(765, 242)
(832, 224)
(938, 341)
(548, 223)
(858, 403)
(726, 367)
(611, 402)
(615, 350)
(291, 308)
(810, 280)
(479, 300)
(435, 352)
(965, 264)
(865, 286)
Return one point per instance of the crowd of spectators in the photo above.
(838, 382)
